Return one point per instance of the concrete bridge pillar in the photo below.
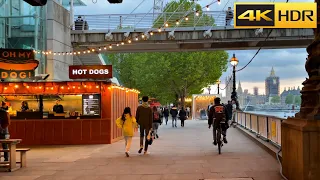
(301, 135)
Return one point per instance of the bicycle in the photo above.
(219, 137)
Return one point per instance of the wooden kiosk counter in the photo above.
(60, 113)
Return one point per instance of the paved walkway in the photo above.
(180, 153)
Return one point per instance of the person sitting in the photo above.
(24, 106)
(217, 114)
(58, 108)
(4, 106)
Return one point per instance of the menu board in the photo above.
(91, 105)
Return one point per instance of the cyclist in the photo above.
(218, 113)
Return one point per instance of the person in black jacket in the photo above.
(229, 110)
(174, 113)
(218, 113)
(166, 114)
(182, 116)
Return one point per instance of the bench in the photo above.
(23, 156)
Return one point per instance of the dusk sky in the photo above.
(288, 63)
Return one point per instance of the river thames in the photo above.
(280, 114)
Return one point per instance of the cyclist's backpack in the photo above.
(156, 116)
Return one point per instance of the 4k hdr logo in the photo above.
(275, 15)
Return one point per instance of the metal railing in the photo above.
(148, 20)
(265, 127)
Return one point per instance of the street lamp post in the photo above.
(234, 62)
(209, 89)
(218, 83)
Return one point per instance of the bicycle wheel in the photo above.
(219, 141)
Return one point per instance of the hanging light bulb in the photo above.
(88, 51)
(54, 53)
(99, 49)
(122, 43)
(151, 33)
(117, 44)
(92, 50)
(167, 25)
(177, 22)
(186, 18)
(74, 53)
(197, 13)
(159, 30)
(58, 54)
(84, 52)
(79, 52)
(137, 38)
(129, 41)
(219, 2)
(142, 35)
(105, 48)
(110, 46)
(207, 7)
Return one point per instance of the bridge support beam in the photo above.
(301, 135)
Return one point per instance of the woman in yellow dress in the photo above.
(127, 123)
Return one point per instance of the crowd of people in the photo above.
(148, 120)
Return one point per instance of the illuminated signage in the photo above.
(17, 64)
(90, 72)
(275, 15)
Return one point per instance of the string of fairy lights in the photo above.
(13, 86)
(143, 36)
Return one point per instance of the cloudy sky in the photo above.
(288, 63)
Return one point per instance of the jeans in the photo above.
(182, 123)
(228, 22)
(4, 146)
(224, 132)
(128, 140)
(174, 121)
(166, 118)
(144, 131)
(155, 127)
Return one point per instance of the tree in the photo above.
(297, 100)
(170, 76)
(183, 6)
(275, 99)
(289, 99)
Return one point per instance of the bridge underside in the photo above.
(223, 39)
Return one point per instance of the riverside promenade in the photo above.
(179, 154)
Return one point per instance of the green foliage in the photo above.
(275, 99)
(170, 76)
(289, 99)
(186, 6)
(297, 100)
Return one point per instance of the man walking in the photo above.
(4, 124)
(144, 119)
(229, 110)
(166, 114)
(174, 113)
(229, 16)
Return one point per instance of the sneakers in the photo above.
(225, 140)
(140, 150)
(127, 154)
(157, 136)
(146, 153)
(215, 143)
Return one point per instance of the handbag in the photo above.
(150, 137)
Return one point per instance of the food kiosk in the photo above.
(88, 108)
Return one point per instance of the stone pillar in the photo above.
(58, 40)
(301, 134)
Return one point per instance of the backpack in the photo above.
(156, 116)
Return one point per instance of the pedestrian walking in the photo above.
(174, 113)
(188, 111)
(144, 119)
(229, 16)
(229, 111)
(156, 121)
(4, 124)
(182, 116)
(166, 114)
(127, 123)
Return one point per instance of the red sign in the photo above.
(90, 72)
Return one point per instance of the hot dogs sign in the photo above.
(17, 64)
(90, 72)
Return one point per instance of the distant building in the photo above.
(229, 87)
(272, 85)
(285, 93)
(256, 91)
(241, 95)
(246, 92)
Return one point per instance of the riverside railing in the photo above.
(149, 20)
(265, 127)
